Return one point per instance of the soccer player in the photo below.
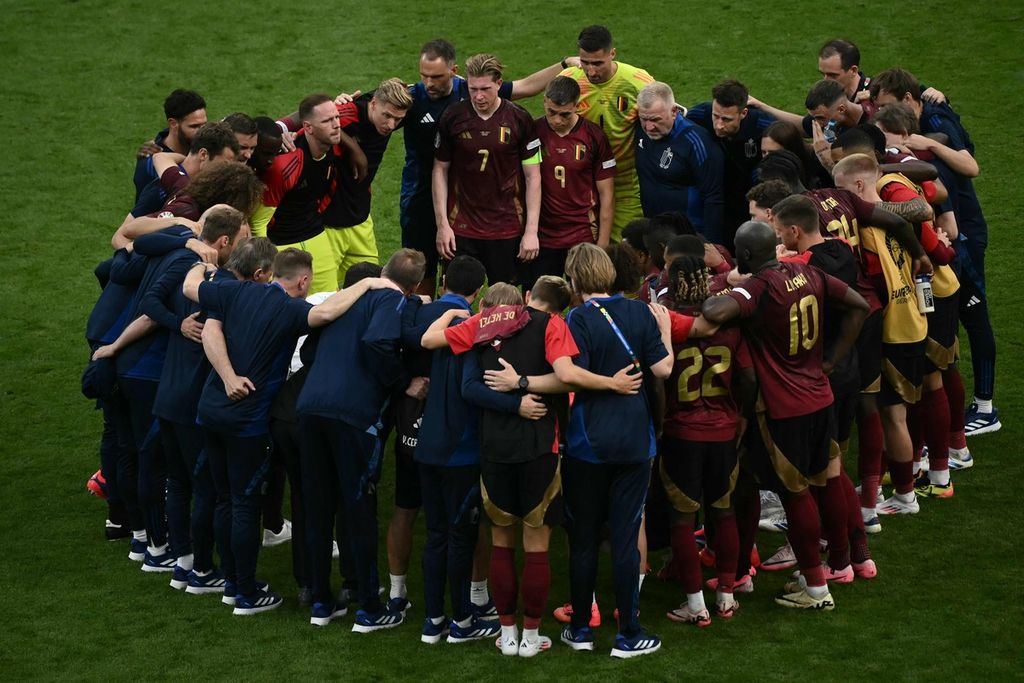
(956, 170)
(249, 346)
(370, 119)
(355, 368)
(904, 331)
(186, 113)
(486, 178)
(577, 181)
(246, 132)
(738, 130)
(678, 163)
(300, 184)
(213, 141)
(699, 463)
(608, 92)
(268, 144)
(439, 87)
(792, 440)
(607, 469)
(795, 220)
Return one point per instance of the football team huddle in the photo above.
(647, 324)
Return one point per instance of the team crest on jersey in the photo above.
(504, 134)
(750, 148)
(581, 151)
(622, 103)
(666, 158)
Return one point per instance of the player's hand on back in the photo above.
(345, 98)
(933, 96)
(204, 251)
(627, 380)
(417, 388)
(288, 141)
(506, 379)
(661, 316)
(381, 283)
(147, 149)
(238, 388)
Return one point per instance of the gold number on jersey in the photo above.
(560, 175)
(707, 387)
(840, 227)
(485, 153)
(804, 324)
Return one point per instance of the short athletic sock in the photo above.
(835, 520)
(934, 407)
(398, 589)
(906, 497)
(140, 536)
(504, 583)
(939, 477)
(870, 442)
(530, 634)
(509, 632)
(984, 405)
(695, 601)
(478, 593)
(536, 584)
(155, 550)
(684, 550)
(816, 590)
(727, 551)
(804, 533)
(186, 562)
(902, 476)
(436, 621)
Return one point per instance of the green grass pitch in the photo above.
(83, 84)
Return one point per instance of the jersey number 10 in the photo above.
(804, 323)
(707, 388)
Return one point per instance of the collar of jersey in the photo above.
(456, 299)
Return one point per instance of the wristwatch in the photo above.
(524, 382)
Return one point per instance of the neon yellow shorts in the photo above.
(627, 208)
(351, 246)
(325, 271)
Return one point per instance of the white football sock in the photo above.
(398, 589)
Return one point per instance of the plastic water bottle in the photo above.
(829, 131)
(925, 298)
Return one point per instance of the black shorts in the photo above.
(792, 453)
(869, 354)
(692, 472)
(498, 256)
(943, 345)
(548, 262)
(408, 414)
(846, 395)
(419, 232)
(902, 373)
(527, 492)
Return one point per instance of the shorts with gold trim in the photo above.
(792, 453)
(529, 492)
(696, 471)
(902, 373)
(352, 245)
(869, 353)
(943, 345)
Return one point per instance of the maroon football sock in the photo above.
(803, 533)
(915, 429)
(748, 514)
(869, 463)
(832, 503)
(503, 586)
(859, 551)
(727, 551)
(536, 584)
(935, 418)
(902, 476)
(684, 550)
(954, 386)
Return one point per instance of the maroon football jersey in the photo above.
(570, 169)
(699, 403)
(486, 188)
(785, 305)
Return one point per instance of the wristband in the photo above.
(564, 65)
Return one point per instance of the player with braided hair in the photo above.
(699, 463)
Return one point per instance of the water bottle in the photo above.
(925, 298)
(829, 131)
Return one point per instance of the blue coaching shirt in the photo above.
(606, 427)
(682, 172)
(109, 316)
(962, 199)
(261, 323)
(420, 130)
(357, 362)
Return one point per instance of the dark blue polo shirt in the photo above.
(682, 172)
(185, 365)
(110, 314)
(144, 171)
(357, 362)
(962, 199)
(262, 323)
(606, 427)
